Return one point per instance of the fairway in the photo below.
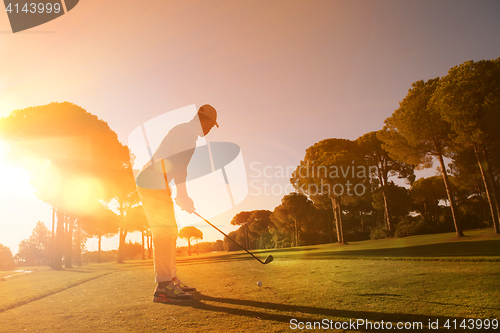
(373, 280)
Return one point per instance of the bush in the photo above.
(132, 250)
(106, 256)
(379, 232)
(358, 236)
(409, 226)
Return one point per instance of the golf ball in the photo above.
(259, 283)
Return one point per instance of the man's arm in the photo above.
(179, 163)
(182, 199)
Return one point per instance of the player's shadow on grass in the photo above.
(300, 313)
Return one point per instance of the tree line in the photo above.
(77, 165)
(345, 189)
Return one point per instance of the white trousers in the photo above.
(159, 209)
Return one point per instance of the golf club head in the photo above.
(268, 259)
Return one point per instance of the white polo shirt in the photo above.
(175, 151)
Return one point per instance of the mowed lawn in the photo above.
(414, 279)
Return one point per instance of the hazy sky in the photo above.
(282, 74)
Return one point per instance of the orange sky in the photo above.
(282, 74)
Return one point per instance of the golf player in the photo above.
(169, 162)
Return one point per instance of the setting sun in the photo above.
(20, 209)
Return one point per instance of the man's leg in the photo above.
(159, 209)
(164, 251)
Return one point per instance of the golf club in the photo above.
(269, 257)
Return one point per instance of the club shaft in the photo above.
(204, 219)
(235, 242)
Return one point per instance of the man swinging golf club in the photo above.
(170, 161)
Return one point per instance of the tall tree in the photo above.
(324, 206)
(236, 235)
(416, 132)
(137, 221)
(332, 167)
(190, 233)
(292, 214)
(36, 249)
(425, 194)
(466, 170)
(399, 201)
(73, 159)
(243, 219)
(474, 204)
(127, 197)
(375, 155)
(102, 222)
(260, 226)
(469, 100)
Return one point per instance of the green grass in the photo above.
(412, 279)
(435, 247)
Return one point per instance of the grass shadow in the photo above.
(486, 248)
(214, 259)
(289, 249)
(300, 312)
